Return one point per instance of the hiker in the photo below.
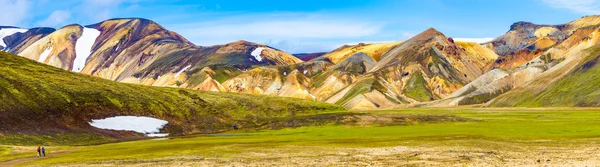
(39, 151)
(43, 151)
(235, 126)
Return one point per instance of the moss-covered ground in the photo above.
(499, 132)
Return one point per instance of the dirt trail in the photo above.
(19, 161)
(379, 156)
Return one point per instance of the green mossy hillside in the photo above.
(417, 88)
(40, 99)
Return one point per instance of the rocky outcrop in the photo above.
(532, 72)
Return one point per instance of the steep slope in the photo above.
(126, 46)
(444, 65)
(18, 41)
(7, 32)
(534, 75)
(341, 75)
(524, 34)
(37, 99)
(358, 63)
(423, 68)
(375, 51)
(56, 49)
(227, 60)
(140, 51)
(574, 84)
(107, 49)
(525, 41)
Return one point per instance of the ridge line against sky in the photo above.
(304, 26)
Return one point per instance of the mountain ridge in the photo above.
(429, 66)
(136, 50)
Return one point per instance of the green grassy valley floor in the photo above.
(422, 137)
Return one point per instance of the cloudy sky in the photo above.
(307, 25)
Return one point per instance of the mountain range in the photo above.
(527, 66)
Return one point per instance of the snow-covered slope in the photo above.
(182, 70)
(83, 47)
(257, 53)
(8, 32)
(45, 55)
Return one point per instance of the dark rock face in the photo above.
(308, 56)
(523, 24)
(18, 41)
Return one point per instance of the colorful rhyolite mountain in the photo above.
(534, 59)
(427, 69)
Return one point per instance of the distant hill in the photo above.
(309, 56)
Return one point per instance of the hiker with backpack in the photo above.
(39, 151)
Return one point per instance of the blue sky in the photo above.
(307, 25)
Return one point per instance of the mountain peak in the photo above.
(243, 43)
(431, 30)
(521, 24)
(428, 34)
(130, 18)
(118, 21)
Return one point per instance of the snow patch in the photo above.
(147, 125)
(182, 70)
(5, 32)
(83, 47)
(45, 55)
(157, 135)
(311, 95)
(257, 53)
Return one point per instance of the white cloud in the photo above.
(100, 10)
(300, 47)
(289, 27)
(56, 18)
(13, 12)
(578, 6)
(477, 40)
(283, 29)
(290, 32)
